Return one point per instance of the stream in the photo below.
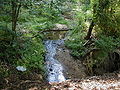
(60, 64)
(54, 67)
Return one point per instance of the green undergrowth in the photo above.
(25, 50)
(33, 54)
(76, 43)
(95, 54)
(31, 21)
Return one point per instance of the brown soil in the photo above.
(73, 69)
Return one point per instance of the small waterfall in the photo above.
(55, 69)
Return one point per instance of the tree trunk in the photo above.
(15, 13)
(90, 30)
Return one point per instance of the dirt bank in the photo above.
(73, 69)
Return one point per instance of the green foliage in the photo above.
(76, 47)
(82, 14)
(9, 48)
(106, 15)
(107, 43)
(76, 42)
(33, 22)
(32, 54)
(40, 17)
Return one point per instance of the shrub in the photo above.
(33, 55)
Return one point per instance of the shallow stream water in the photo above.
(54, 67)
(60, 64)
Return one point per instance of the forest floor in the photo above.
(90, 83)
(34, 81)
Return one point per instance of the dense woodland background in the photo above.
(94, 37)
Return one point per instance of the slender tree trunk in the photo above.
(90, 30)
(15, 13)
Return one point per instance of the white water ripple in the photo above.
(55, 69)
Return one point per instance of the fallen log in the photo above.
(49, 30)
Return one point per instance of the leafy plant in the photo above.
(33, 55)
